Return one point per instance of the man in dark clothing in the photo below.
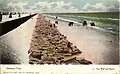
(0, 16)
(92, 24)
(84, 23)
(10, 15)
(56, 17)
(70, 24)
(56, 22)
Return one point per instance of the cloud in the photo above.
(16, 6)
(12, 5)
(42, 4)
(94, 7)
(113, 8)
(117, 0)
(55, 6)
(100, 7)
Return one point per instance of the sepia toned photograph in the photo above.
(76, 32)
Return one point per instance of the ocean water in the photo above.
(108, 24)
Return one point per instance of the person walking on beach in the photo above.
(84, 23)
(56, 22)
(56, 17)
(92, 24)
(70, 24)
(0, 16)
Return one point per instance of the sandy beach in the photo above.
(97, 46)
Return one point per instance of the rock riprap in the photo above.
(49, 46)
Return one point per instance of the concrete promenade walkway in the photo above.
(15, 44)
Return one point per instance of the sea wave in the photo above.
(90, 17)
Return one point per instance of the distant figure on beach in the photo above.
(49, 21)
(70, 24)
(54, 25)
(0, 16)
(56, 22)
(50, 25)
(10, 15)
(84, 23)
(92, 24)
(69, 45)
(56, 17)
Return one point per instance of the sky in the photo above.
(59, 5)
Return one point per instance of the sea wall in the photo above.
(14, 44)
(10, 25)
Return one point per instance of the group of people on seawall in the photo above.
(10, 15)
